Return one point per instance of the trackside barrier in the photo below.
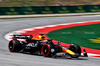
(48, 9)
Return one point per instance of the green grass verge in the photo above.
(86, 36)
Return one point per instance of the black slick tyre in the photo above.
(14, 46)
(76, 49)
(48, 50)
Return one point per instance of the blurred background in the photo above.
(21, 3)
(25, 7)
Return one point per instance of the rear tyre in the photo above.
(76, 49)
(14, 46)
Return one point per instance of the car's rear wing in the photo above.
(15, 36)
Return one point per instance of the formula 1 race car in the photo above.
(46, 48)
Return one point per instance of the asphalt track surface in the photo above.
(19, 59)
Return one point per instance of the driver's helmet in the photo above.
(41, 37)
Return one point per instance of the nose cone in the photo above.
(70, 52)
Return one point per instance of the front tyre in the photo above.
(48, 50)
(76, 49)
(14, 46)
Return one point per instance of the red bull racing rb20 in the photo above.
(46, 48)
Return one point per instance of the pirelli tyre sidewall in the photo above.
(47, 50)
(14, 46)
